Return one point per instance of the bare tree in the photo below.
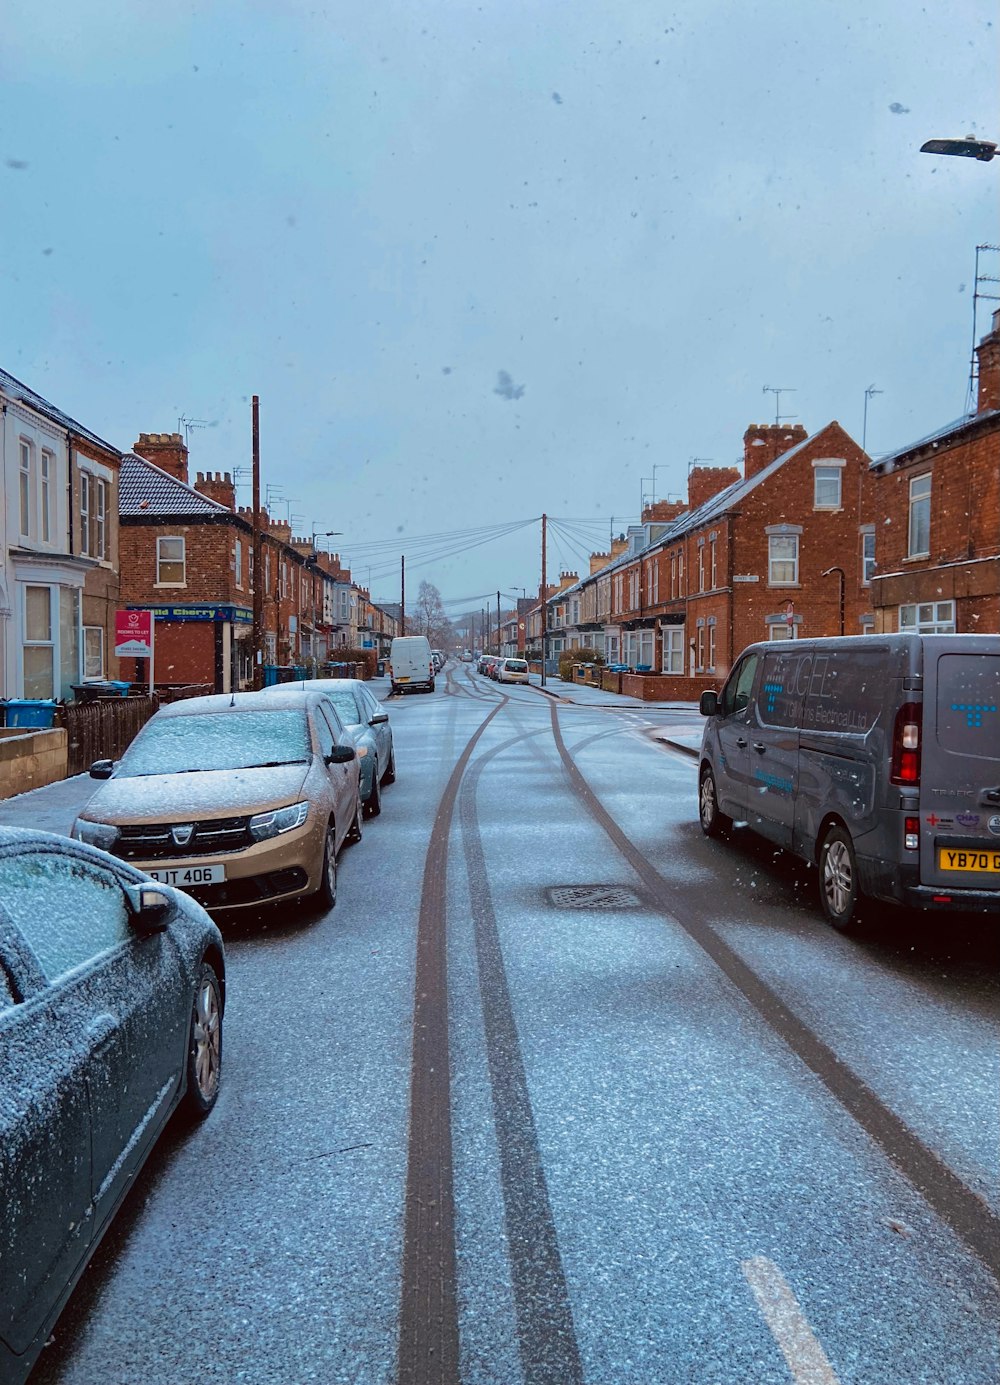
(429, 617)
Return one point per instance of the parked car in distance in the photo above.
(236, 798)
(367, 724)
(467, 656)
(438, 656)
(112, 990)
(411, 664)
(877, 757)
(512, 671)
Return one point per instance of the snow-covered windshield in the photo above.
(218, 740)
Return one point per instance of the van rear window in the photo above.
(968, 704)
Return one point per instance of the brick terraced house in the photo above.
(781, 551)
(938, 502)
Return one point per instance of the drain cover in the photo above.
(593, 897)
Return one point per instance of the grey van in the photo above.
(877, 757)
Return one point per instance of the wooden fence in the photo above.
(101, 730)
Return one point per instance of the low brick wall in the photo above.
(666, 687)
(29, 759)
(611, 682)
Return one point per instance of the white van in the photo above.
(411, 664)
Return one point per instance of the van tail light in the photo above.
(906, 745)
(911, 834)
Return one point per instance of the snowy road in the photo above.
(561, 1092)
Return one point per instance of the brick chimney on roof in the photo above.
(618, 546)
(662, 511)
(165, 450)
(764, 442)
(568, 579)
(218, 486)
(988, 352)
(597, 561)
(706, 481)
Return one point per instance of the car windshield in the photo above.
(218, 740)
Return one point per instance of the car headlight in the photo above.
(102, 834)
(264, 825)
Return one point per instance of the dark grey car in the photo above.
(877, 757)
(111, 997)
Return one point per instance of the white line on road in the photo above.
(805, 1357)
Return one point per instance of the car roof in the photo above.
(232, 702)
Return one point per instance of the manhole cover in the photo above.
(593, 897)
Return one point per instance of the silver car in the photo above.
(367, 725)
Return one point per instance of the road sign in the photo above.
(134, 634)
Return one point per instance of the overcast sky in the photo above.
(485, 260)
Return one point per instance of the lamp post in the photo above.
(840, 574)
(981, 149)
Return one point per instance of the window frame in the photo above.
(161, 560)
(45, 479)
(920, 507)
(822, 468)
(672, 649)
(26, 471)
(935, 624)
(773, 561)
(89, 630)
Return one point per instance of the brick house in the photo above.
(780, 551)
(59, 560)
(938, 502)
(187, 554)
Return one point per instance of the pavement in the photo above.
(587, 695)
(52, 808)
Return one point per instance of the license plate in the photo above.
(185, 876)
(403, 680)
(962, 858)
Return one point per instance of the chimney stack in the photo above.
(764, 442)
(618, 546)
(217, 486)
(706, 481)
(662, 511)
(165, 450)
(988, 352)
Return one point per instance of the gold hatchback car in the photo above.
(237, 800)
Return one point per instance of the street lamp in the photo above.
(840, 573)
(982, 149)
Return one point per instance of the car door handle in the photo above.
(101, 1030)
(760, 747)
(741, 742)
(992, 795)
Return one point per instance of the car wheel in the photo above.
(838, 881)
(204, 1056)
(431, 688)
(390, 770)
(713, 823)
(327, 891)
(373, 804)
(358, 825)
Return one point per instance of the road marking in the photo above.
(805, 1357)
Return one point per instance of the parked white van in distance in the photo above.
(411, 664)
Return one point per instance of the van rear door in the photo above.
(960, 764)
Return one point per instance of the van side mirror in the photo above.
(708, 704)
(102, 769)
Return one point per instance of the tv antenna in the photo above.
(864, 424)
(186, 424)
(778, 391)
(970, 398)
(695, 461)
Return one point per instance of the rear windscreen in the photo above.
(968, 704)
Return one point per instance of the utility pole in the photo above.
(545, 609)
(257, 638)
(402, 594)
(499, 650)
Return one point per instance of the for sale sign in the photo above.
(134, 634)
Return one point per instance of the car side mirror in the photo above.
(149, 906)
(340, 755)
(708, 704)
(102, 769)
(379, 719)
